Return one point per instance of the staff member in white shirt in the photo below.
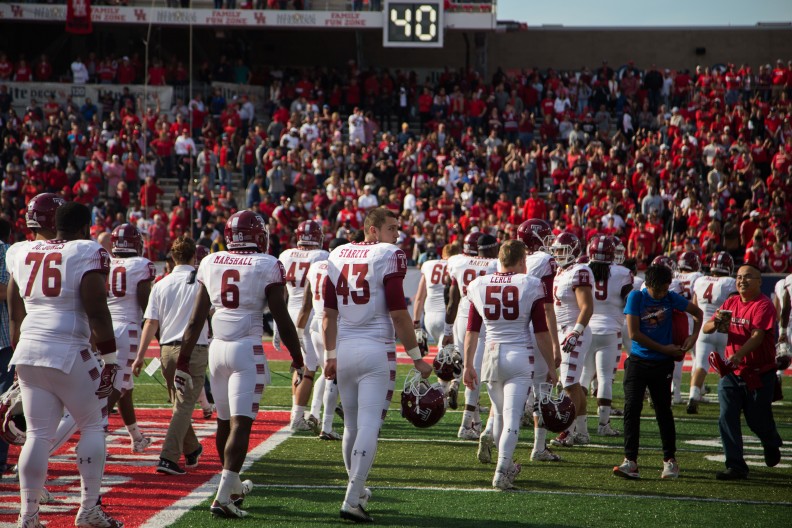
(166, 312)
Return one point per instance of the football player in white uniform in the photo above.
(537, 236)
(128, 289)
(296, 263)
(688, 266)
(479, 258)
(709, 293)
(325, 391)
(430, 303)
(612, 285)
(364, 307)
(57, 300)
(237, 283)
(574, 305)
(507, 302)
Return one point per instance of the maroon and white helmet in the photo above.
(309, 233)
(620, 250)
(602, 249)
(470, 244)
(200, 253)
(448, 363)
(246, 230)
(12, 420)
(422, 404)
(558, 411)
(668, 262)
(41, 209)
(722, 262)
(689, 261)
(536, 234)
(126, 240)
(566, 249)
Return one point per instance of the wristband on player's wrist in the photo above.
(579, 328)
(448, 329)
(330, 354)
(414, 353)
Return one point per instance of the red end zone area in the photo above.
(132, 491)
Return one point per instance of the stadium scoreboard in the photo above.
(413, 24)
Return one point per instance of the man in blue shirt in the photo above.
(651, 365)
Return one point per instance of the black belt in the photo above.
(172, 343)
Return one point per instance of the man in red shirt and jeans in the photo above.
(748, 375)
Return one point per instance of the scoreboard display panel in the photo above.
(413, 24)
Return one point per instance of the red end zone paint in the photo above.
(132, 491)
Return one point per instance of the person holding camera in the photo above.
(748, 374)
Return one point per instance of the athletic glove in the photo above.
(570, 342)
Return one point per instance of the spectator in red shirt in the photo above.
(535, 207)
(43, 70)
(149, 194)
(641, 244)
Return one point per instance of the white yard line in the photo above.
(170, 515)
(535, 492)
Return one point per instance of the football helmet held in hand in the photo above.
(12, 420)
(447, 363)
(557, 411)
(783, 356)
(422, 404)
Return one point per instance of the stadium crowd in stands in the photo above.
(665, 160)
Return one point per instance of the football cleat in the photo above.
(228, 511)
(365, 497)
(453, 395)
(239, 498)
(505, 480)
(300, 424)
(470, 433)
(692, 407)
(607, 430)
(581, 438)
(486, 443)
(140, 445)
(207, 412)
(332, 435)
(545, 456)
(670, 469)
(314, 424)
(563, 440)
(355, 514)
(628, 470)
(30, 522)
(96, 518)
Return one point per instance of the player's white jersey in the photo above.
(463, 269)
(434, 273)
(49, 275)
(296, 263)
(638, 282)
(357, 272)
(237, 284)
(687, 281)
(711, 292)
(122, 282)
(608, 316)
(540, 265)
(505, 301)
(567, 280)
(317, 274)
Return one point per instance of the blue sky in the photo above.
(645, 12)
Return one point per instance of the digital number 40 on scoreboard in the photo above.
(413, 24)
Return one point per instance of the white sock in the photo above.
(228, 481)
(540, 439)
(298, 412)
(467, 418)
(695, 393)
(329, 402)
(581, 425)
(134, 432)
(29, 505)
(604, 414)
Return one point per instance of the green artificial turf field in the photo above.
(427, 477)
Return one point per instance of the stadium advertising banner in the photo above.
(24, 93)
(221, 18)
